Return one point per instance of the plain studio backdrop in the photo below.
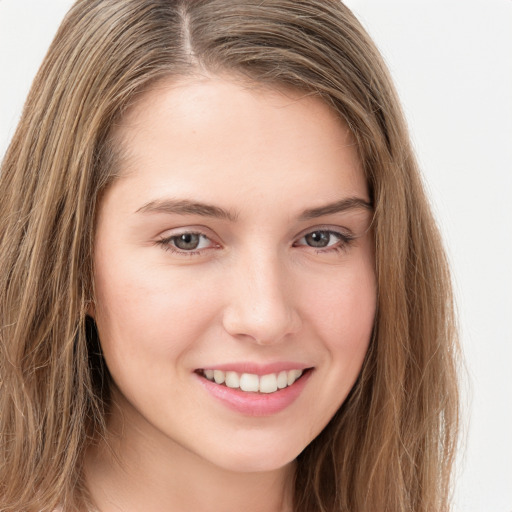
(452, 64)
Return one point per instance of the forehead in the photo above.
(220, 131)
(198, 99)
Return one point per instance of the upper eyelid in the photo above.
(330, 231)
(343, 231)
(203, 230)
(344, 239)
(190, 232)
(171, 233)
(166, 243)
(166, 237)
(198, 230)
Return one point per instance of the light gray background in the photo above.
(452, 63)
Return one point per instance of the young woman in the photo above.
(221, 287)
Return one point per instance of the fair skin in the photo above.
(236, 239)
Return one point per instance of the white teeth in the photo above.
(282, 380)
(219, 376)
(232, 380)
(268, 383)
(250, 382)
(293, 375)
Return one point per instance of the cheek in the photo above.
(343, 313)
(344, 308)
(148, 314)
(344, 319)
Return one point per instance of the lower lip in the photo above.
(256, 404)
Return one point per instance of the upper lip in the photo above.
(257, 369)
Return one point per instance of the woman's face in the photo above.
(234, 247)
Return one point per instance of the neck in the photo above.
(131, 471)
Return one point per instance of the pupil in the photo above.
(318, 239)
(187, 241)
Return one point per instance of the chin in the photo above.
(257, 460)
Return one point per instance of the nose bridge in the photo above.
(261, 304)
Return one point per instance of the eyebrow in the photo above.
(350, 203)
(187, 207)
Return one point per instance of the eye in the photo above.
(324, 239)
(320, 239)
(188, 242)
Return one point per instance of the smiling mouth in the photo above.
(252, 383)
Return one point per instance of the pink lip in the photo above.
(256, 404)
(258, 369)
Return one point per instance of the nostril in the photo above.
(263, 325)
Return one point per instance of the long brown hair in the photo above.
(391, 445)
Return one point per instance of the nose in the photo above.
(261, 305)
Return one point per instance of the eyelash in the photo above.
(166, 244)
(343, 243)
